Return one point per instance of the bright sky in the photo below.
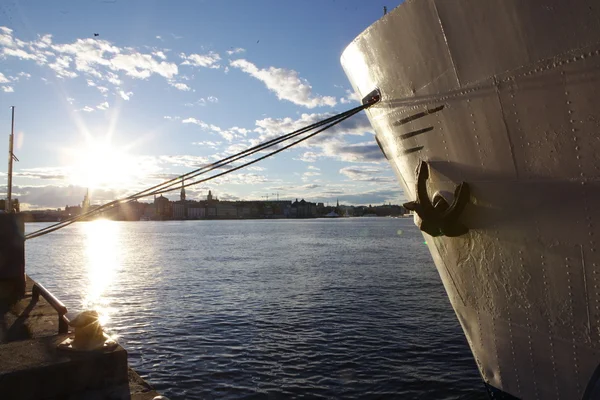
(169, 85)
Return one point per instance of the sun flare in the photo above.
(98, 164)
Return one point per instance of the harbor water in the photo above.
(342, 308)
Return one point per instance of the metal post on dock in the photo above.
(12, 238)
(10, 163)
(12, 256)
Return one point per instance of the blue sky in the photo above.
(168, 86)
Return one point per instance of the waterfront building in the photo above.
(71, 211)
(226, 209)
(245, 210)
(149, 212)
(163, 207)
(131, 211)
(196, 211)
(303, 209)
(179, 210)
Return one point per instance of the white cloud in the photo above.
(125, 95)
(203, 101)
(98, 58)
(195, 121)
(308, 156)
(369, 174)
(3, 79)
(43, 42)
(314, 168)
(180, 86)
(188, 161)
(256, 168)
(236, 148)
(241, 131)
(160, 55)
(8, 89)
(46, 173)
(210, 60)
(53, 196)
(310, 177)
(102, 89)
(237, 50)
(89, 54)
(208, 144)
(24, 75)
(38, 57)
(141, 66)
(351, 96)
(70, 100)
(329, 143)
(240, 179)
(168, 117)
(102, 106)
(365, 152)
(358, 125)
(61, 66)
(6, 38)
(87, 109)
(286, 84)
(227, 134)
(113, 78)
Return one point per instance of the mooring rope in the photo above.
(173, 184)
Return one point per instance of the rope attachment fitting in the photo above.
(372, 98)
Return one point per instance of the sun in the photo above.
(99, 165)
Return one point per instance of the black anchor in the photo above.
(439, 218)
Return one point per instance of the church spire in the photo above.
(86, 200)
(182, 189)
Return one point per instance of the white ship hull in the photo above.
(505, 96)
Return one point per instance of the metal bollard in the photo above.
(12, 256)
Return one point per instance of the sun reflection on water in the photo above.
(103, 261)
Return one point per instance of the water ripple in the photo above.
(267, 309)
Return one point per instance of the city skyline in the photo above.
(118, 96)
(210, 194)
(210, 207)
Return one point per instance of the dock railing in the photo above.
(63, 322)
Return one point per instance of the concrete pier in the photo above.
(31, 366)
